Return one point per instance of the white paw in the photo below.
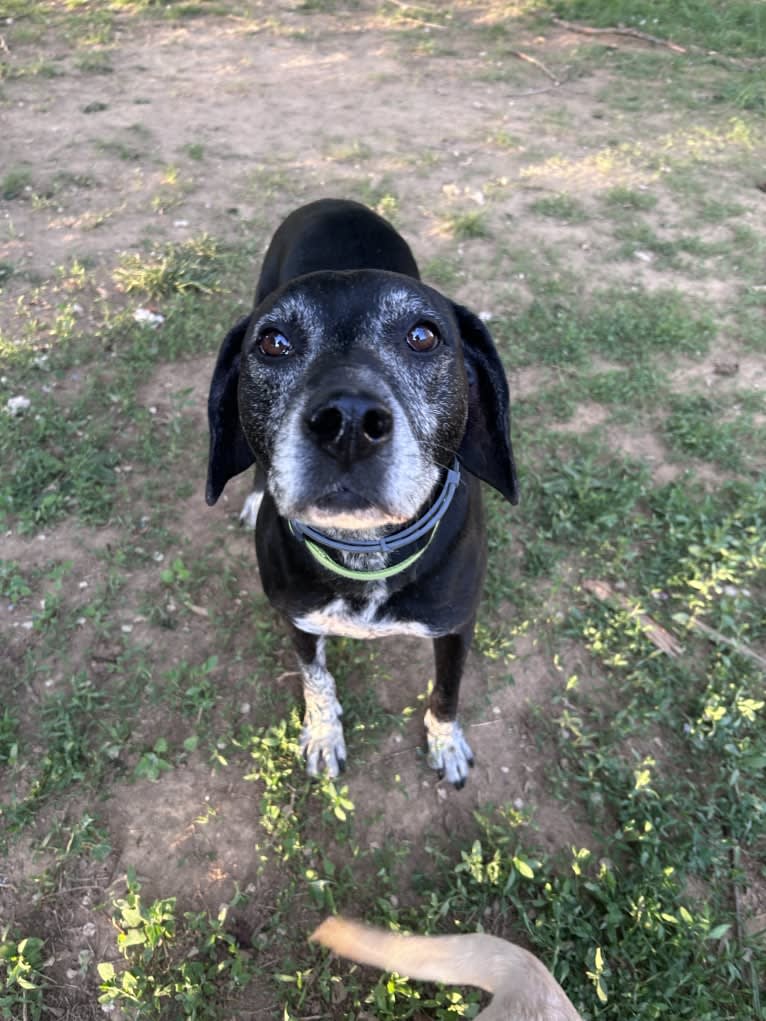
(322, 739)
(249, 513)
(448, 751)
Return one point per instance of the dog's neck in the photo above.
(423, 527)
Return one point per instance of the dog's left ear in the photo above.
(230, 453)
(486, 448)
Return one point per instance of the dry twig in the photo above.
(621, 30)
(537, 63)
(739, 647)
(662, 638)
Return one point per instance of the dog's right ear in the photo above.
(229, 450)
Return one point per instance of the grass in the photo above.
(15, 183)
(560, 207)
(466, 226)
(737, 28)
(142, 656)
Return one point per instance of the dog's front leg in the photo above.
(448, 750)
(321, 738)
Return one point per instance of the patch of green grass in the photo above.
(666, 754)
(15, 183)
(729, 26)
(52, 471)
(746, 90)
(622, 197)
(349, 152)
(442, 271)
(560, 207)
(626, 326)
(191, 266)
(79, 748)
(131, 148)
(697, 426)
(716, 210)
(641, 237)
(372, 192)
(467, 226)
(95, 62)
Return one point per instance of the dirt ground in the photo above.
(222, 125)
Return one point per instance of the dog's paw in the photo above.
(321, 740)
(249, 513)
(448, 751)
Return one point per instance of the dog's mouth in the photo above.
(343, 500)
(343, 508)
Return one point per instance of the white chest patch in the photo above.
(337, 618)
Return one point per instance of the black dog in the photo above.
(371, 406)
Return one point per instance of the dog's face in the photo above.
(353, 390)
(353, 395)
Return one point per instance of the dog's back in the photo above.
(333, 234)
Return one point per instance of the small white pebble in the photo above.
(17, 405)
(146, 317)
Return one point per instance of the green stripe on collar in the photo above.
(325, 560)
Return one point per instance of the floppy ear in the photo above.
(229, 450)
(486, 448)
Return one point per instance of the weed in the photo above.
(467, 226)
(182, 965)
(154, 762)
(21, 978)
(9, 739)
(13, 583)
(280, 768)
(193, 265)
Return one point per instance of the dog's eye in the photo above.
(274, 344)
(423, 337)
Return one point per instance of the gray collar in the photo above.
(398, 540)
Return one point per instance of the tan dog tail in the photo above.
(520, 983)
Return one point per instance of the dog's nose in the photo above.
(350, 427)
